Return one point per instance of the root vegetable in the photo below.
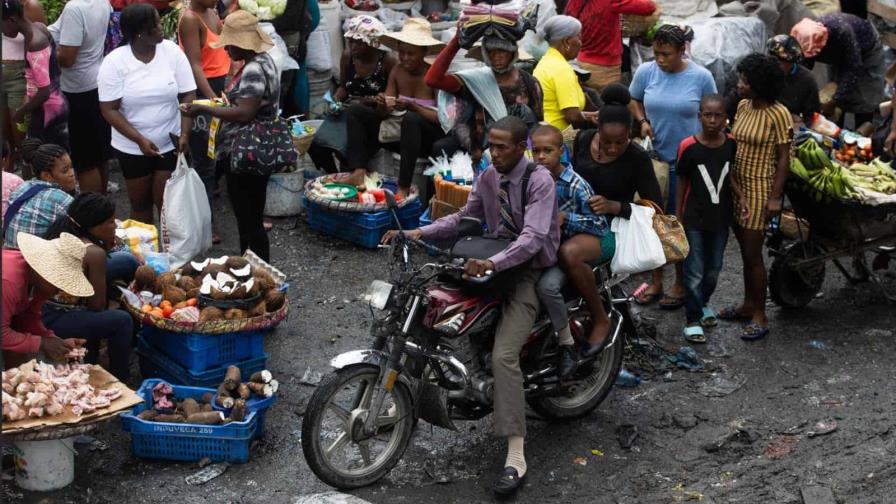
(243, 392)
(210, 313)
(259, 309)
(262, 389)
(174, 294)
(264, 376)
(232, 378)
(274, 300)
(145, 277)
(235, 313)
(275, 386)
(173, 418)
(206, 418)
(238, 413)
(187, 283)
(206, 407)
(207, 398)
(224, 398)
(167, 279)
(190, 406)
(148, 415)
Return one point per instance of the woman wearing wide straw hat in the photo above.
(31, 275)
(408, 107)
(253, 94)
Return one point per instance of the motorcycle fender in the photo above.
(375, 358)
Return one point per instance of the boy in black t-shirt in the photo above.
(706, 195)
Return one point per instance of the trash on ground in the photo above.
(207, 474)
(582, 461)
(626, 435)
(739, 435)
(814, 494)
(720, 385)
(781, 446)
(822, 428)
(685, 358)
(820, 345)
(204, 461)
(686, 495)
(597, 453)
(627, 379)
(311, 377)
(684, 421)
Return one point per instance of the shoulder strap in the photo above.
(14, 207)
(524, 187)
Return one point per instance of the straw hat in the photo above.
(241, 30)
(415, 32)
(59, 261)
(475, 52)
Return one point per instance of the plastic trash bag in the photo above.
(318, 57)
(393, 19)
(279, 52)
(186, 216)
(638, 248)
(712, 47)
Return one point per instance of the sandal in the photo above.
(647, 298)
(753, 332)
(730, 313)
(694, 334)
(710, 317)
(672, 302)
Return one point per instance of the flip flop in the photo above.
(648, 298)
(694, 334)
(753, 332)
(710, 317)
(730, 313)
(674, 304)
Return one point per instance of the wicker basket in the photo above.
(450, 192)
(353, 206)
(635, 26)
(303, 142)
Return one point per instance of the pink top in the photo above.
(423, 102)
(22, 326)
(37, 75)
(11, 182)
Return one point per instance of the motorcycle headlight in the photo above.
(378, 294)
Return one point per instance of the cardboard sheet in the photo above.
(100, 379)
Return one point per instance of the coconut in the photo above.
(251, 287)
(240, 292)
(236, 262)
(259, 309)
(218, 294)
(235, 313)
(274, 300)
(243, 272)
(167, 279)
(174, 294)
(220, 261)
(186, 283)
(210, 313)
(145, 277)
(193, 293)
(187, 270)
(212, 269)
(224, 278)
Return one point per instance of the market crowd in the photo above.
(103, 83)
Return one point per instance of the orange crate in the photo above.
(450, 192)
(439, 209)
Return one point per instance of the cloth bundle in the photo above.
(503, 21)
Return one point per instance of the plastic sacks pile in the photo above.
(509, 21)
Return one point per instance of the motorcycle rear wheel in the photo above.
(345, 459)
(593, 389)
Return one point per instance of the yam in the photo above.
(145, 277)
(223, 398)
(275, 386)
(232, 378)
(259, 309)
(206, 407)
(172, 418)
(264, 376)
(206, 418)
(242, 391)
(274, 300)
(166, 279)
(187, 283)
(190, 406)
(236, 262)
(210, 313)
(207, 398)
(174, 294)
(235, 313)
(238, 413)
(148, 415)
(193, 293)
(261, 389)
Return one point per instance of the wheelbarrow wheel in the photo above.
(791, 287)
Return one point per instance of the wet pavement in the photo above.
(749, 427)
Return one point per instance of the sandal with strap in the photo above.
(694, 334)
(671, 302)
(753, 332)
(710, 317)
(730, 313)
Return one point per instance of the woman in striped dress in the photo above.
(763, 130)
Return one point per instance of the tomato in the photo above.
(167, 311)
(165, 304)
(192, 302)
(379, 195)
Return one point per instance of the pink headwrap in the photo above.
(811, 35)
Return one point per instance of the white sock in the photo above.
(565, 336)
(515, 457)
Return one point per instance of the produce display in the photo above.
(360, 5)
(853, 153)
(228, 287)
(232, 394)
(834, 180)
(37, 389)
(264, 10)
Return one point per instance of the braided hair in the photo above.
(28, 148)
(615, 110)
(673, 35)
(87, 210)
(45, 157)
(13, 9)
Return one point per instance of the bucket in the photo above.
(42, 466)
(330, 11)
(284, 197)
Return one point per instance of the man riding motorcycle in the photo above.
(530, 221)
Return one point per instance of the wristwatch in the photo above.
(642, 121)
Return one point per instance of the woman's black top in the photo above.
(619, 180)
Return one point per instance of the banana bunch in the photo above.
(827, 180)
(875, 176)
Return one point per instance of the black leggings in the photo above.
(248, 193)
(363, 126)
(417, 139)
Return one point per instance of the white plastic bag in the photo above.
(186, 215)
(638, 248)
(279, 53)
(318, 58)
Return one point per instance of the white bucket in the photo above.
(284, 197)
(330, 11)
(43, 466)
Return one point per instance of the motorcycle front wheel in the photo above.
(333, 439)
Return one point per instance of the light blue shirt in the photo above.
(672, 102)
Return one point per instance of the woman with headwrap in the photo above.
(564, 100)
(364, 73)
(800, 91)
(498, 90)
(851, 46)
(91, 218)
(667, 94)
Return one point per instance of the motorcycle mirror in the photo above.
(469, 226)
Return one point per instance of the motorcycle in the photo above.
(430, 360)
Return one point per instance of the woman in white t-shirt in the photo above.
(140, 87)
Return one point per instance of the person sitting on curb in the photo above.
(31, 275)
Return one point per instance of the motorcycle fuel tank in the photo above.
(451, 312)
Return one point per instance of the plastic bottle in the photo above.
(627, 379)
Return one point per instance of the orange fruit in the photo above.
(156, 312)
(164, 303)
(146, 308)
(192, 302)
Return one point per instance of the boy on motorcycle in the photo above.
(496, 197)
(575, 217)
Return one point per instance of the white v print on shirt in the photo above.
(710, 186)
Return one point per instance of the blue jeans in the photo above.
(701, 269)
(115, 326)
(120, 266)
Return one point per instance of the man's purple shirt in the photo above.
(540, 236)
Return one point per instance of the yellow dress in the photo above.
(758, 133)
(560, 87)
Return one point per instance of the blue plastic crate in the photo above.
(200, 352)
(258, 405)
(361, 228)
(424, 219)
(189, 442)
(155, 364)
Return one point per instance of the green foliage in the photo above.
(52, 8)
